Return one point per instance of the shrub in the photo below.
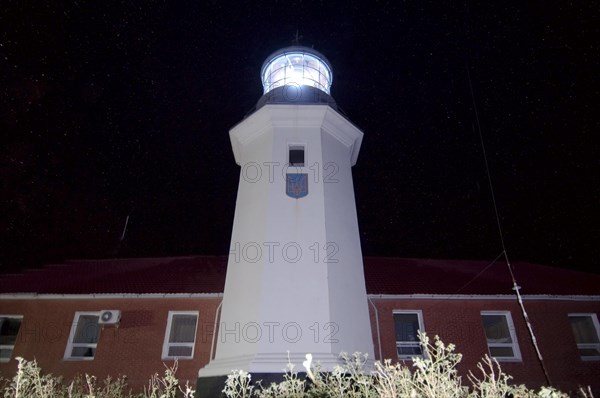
(29, 382)
(434, 375)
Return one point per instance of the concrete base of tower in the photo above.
(268, 363)
(211, 387)
(266, 367)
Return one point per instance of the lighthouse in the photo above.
(295, 280)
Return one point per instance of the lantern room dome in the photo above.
(296, 66)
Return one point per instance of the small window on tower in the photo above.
(296, 155)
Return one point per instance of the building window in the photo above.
(180, 336)
(9, 328)
(84, 336)
(296, 155)
(586, 331)
(407, 324)
(500, 334)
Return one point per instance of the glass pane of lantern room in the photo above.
(275, 73)
(311, 70)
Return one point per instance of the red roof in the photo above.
(200, 274)
(423, 276)
(206, 274)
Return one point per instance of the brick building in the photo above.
(169, 307)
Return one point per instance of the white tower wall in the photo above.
(281, 295)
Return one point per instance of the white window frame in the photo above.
(167, 344)
(71, 344)
(588, 345)
(513, 336)
(7, 346)
(419, 314)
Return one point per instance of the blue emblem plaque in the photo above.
(296, 185)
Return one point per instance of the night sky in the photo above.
(110, 109)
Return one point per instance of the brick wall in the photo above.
(133, 349)
(459, 322)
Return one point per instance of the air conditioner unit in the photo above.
(109, 317)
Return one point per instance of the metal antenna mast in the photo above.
(516, 287)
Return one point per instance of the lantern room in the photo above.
(297, 66)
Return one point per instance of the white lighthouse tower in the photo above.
(295, 281)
